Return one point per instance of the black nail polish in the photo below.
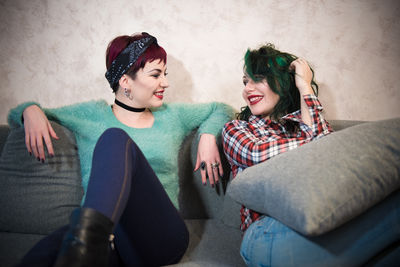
(42, 160)
(38, 159)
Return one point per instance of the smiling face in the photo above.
(259, 97)
(147, 89)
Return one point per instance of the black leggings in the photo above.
(148, 230)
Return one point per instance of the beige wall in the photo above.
(53, 51)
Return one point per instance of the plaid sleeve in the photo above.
(235, 137)
(320, 126)
(244, 149)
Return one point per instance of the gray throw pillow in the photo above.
(323, 184)
(38, 197)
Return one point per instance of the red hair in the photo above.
(153, 52)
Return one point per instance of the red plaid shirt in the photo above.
(248, 143)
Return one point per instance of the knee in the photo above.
(114, 133)
(113, 136)
(268, 242)
(112, 140)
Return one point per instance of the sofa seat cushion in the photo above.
(36, 197)
(14, 246)
(321, 185)
(212, 243)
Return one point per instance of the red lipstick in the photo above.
(159, 94)
(254, 99)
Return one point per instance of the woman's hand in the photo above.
(38, 128)
(303, 80)
(208, 159)
(303, 76)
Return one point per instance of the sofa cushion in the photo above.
(13, 247)
(38, 197)
(212, 244)
(321, 185)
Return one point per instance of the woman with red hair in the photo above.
(128, 153)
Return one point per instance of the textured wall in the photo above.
(52, 51)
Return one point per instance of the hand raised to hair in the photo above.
(208, 153)
(38, 129)
(303, 76)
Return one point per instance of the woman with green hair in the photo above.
(282, 113)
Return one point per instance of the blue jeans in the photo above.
(268, 242)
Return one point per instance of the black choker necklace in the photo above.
(122, 105)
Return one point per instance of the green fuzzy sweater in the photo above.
(160, 144)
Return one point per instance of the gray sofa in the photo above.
(36, 199)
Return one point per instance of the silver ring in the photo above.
(215, 165)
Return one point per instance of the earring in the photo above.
(128, 93)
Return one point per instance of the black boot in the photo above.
(86, 242)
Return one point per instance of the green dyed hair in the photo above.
(269, 64)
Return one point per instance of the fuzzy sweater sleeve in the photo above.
(208, 117)
(71, 116)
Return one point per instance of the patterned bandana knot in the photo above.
(126, 59)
